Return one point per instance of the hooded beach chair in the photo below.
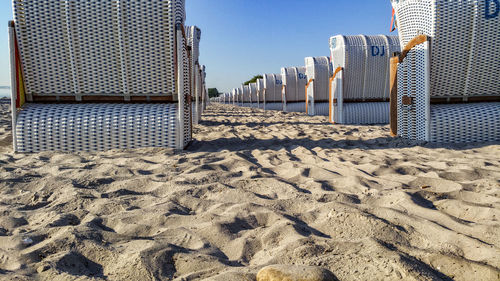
(359, 85)
(316, 89)
(239, 96)
(86, 76)
(193, 35)
(260, 93)
(272, 92)
(203, 85)
(253, 95)
(247, 100)
(293, 89)
(448, 73)
(234, 96)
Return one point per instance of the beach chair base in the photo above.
(294, 107)
(196, 115)
(362, 113)
(274, 106)
(460, 123)
(320, 109)
(97, 127)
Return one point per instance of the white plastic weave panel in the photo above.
(203, 86)
(274, 106)
(318, 68)
(260, 90)
(474, 122)
(294, 80)
(412, 80)
(234, 94)
(194, 110)
(239, 96)
(186, 81)
(318, 72)
(92, 47)
(289, 78)
(45, 46)
(149, 64)
(199, 93)
(253, 92)
(193, 36)
(245, 91)
(321, 109)
(95, 46)
(296, 107)
(301, 83)
(95, 127)
(366, 113)
(272, 86)
(465, 43)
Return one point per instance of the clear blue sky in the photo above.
(241, 38)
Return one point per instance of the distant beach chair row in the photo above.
(439, 81)
(94, 75)
(352, 87)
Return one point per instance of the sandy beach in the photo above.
(254, 188)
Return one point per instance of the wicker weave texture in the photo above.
(474, 122)
(260, 90)
(366, 113)
(465, 43)
(272, 86)
(89, 47)
(294, 82)
(318, 73)
(245, 90)
(253, 92)
(95, 127)
(273, 106)
(295, 107)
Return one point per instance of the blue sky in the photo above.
(241, 38)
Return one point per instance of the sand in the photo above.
(254, 189)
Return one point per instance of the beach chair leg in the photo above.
(14, 77)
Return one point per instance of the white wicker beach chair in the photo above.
(205, 98)
(272, 91)
(87, 76)
(260, 94)
(247, 100)
(239, 96)
(317, 72)
(359, 86)
(448, 74)
(234, 96)
(253, 95)
(293, 90)
(193, 35)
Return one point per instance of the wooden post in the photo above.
(394, 94)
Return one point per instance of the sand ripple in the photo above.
(255, 188)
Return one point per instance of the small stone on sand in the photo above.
(294, 273)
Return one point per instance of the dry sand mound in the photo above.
(254, 189)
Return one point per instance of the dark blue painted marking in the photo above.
(376, 51)
(488, 14)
